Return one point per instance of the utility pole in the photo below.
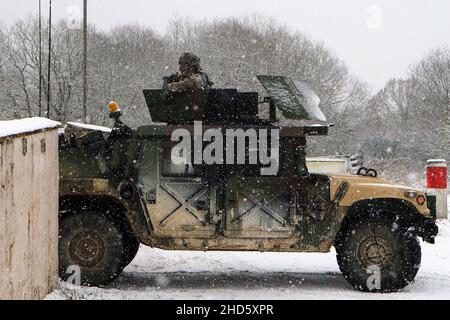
(40, 60)
(85, 60)
(49, 56)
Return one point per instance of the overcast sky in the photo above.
(378, 39)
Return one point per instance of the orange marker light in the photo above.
(420, 199)
(113, 107)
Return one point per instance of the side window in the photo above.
(170, 169)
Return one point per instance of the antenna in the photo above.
(49, 56)
(40, 59)
(84, 60)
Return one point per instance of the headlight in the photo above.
(411, 194)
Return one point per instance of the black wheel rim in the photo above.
(375, 250)
(86, 248)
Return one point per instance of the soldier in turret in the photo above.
(190, 78)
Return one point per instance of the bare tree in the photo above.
(410, 114)
(415, 113)
(19, 66)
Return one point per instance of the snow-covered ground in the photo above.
(159, 274)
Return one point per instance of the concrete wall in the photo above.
(28, 214)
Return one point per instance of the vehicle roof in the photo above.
(164, 130)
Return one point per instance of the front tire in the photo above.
(378, 255)
(92, 243)
(132, 248)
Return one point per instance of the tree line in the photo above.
(406, 122)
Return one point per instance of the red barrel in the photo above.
(436, 174)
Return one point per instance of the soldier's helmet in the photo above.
(190, 59)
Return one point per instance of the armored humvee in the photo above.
(210, 174)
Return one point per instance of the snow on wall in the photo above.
(14, 127)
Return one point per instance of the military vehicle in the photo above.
(122, 188)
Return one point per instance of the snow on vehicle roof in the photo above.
(89, 126)
(27, 125)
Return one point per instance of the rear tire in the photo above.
(378, 255)
(95, 244)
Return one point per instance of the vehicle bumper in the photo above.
(431, 204)
(427, 229)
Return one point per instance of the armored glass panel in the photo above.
(294, 98)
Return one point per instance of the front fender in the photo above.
(364, 188)
(94, 188)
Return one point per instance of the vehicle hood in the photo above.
(363, 187)
(370, 181)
